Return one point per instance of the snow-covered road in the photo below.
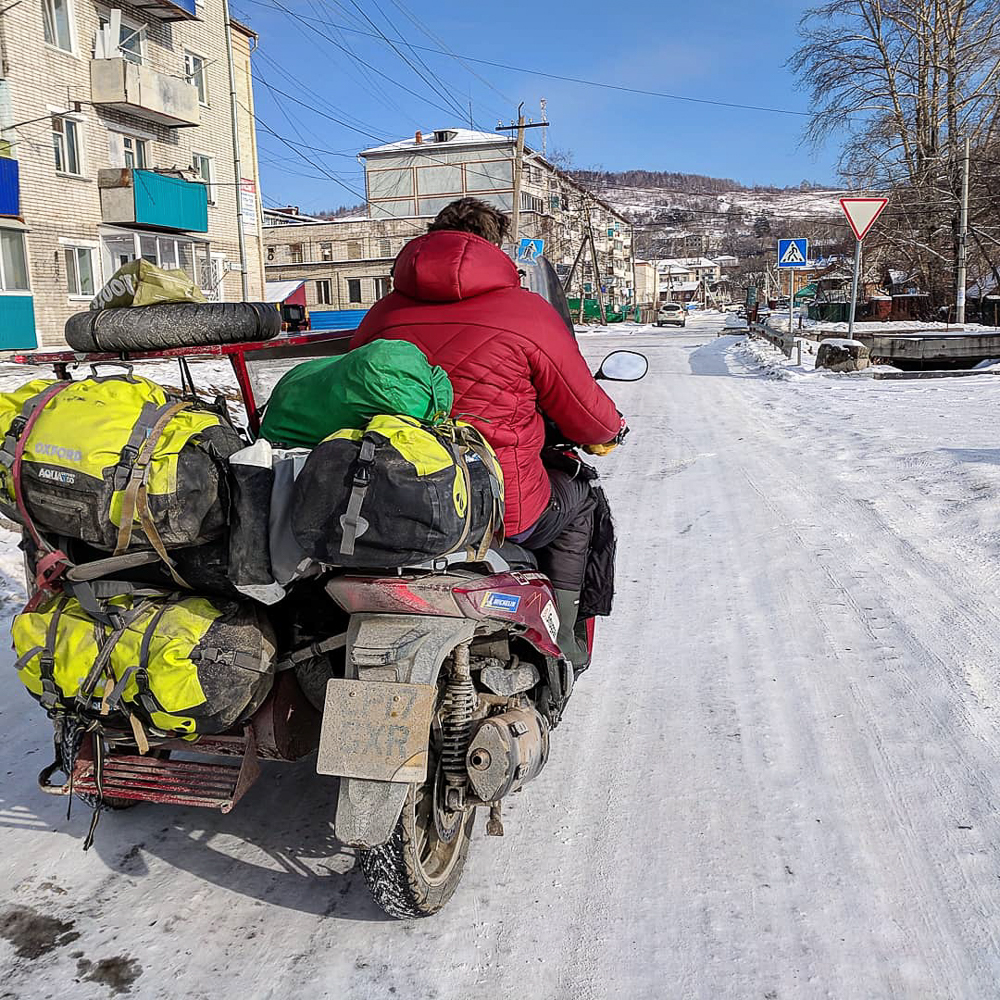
(778, 781)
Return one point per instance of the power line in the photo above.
(558, 76)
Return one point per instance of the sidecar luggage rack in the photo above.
(144, 778)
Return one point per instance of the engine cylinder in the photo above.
(506, 752)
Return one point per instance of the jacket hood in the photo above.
(448, 266)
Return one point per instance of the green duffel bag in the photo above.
(398, 493)
(181, 665)
(318, 398)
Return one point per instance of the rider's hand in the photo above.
(606, 449)
(600, 449)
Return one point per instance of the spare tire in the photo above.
(172, 324)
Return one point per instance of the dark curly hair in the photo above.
(470, 215)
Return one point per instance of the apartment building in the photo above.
(118, 141)
(409, 182)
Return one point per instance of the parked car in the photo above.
(671, 314)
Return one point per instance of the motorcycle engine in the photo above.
(506, 752)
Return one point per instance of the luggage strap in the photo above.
(312, 651)
(132, 473)
(352, 523)
(54, 563)
(50, 696)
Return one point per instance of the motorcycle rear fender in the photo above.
(404, 649)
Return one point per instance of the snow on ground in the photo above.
(778, 780)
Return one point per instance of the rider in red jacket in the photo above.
(511, 358)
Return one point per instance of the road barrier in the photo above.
(785, 342)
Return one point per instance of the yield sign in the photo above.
(862, 212)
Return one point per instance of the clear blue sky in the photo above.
(725, 50)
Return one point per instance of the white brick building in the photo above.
(409, 182)
(117, 128)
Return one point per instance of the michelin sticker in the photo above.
(551, 619)
(502, 602)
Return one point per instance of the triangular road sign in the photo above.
(862, 212)
(793, 255)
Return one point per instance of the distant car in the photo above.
(671, 314)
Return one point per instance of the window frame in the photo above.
(204, 97)
(324, 292)
(77, 129)
(326, 250)
(296, 253)
(4, 290)
(137, 28)
(70, 27)
(350, 292)
(383, 281)
(76, 249)
(210, 184)
(141, 146)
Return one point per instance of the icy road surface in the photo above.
(778, 781)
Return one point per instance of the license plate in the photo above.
(376, 729)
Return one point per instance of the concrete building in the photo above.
(118, 142)
(347, 261)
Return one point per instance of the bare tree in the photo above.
(904, 82)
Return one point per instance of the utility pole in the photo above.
(237, 167)
(597, 267)
(518, 166)
(963, 236)
(545, 135)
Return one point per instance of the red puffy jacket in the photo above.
(458, 298)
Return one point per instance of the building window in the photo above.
(194, 69)
(323, 292)
(66, 145)
(80, 271)
(13, 261)
(354, 290)
(55, 16)
(385, 248)
(326, 252)
(382, 287)
(129, 43)
(295, 253)
(135, 152)
(204, 169)
(354, 252)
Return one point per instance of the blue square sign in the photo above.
(793, 253)
(528, 251)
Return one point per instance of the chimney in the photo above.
(418, 138)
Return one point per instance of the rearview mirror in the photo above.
(623, 366)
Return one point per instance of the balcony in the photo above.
(143, 92)
(168, 10)
(17, 322)
(146, 198)
(10, 187)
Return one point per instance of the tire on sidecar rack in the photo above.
(171, 324)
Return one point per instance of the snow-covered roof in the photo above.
(689, 262)
(278, 291)
(981, 288)
(458, 137)
(686, 286)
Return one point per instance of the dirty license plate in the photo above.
(376, 729)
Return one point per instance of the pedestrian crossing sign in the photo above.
(793, 253)
(528, 251)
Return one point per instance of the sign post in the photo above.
(861, 214)
(792, 253)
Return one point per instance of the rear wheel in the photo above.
(417, 870)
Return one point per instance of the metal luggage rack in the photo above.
(316, 344)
